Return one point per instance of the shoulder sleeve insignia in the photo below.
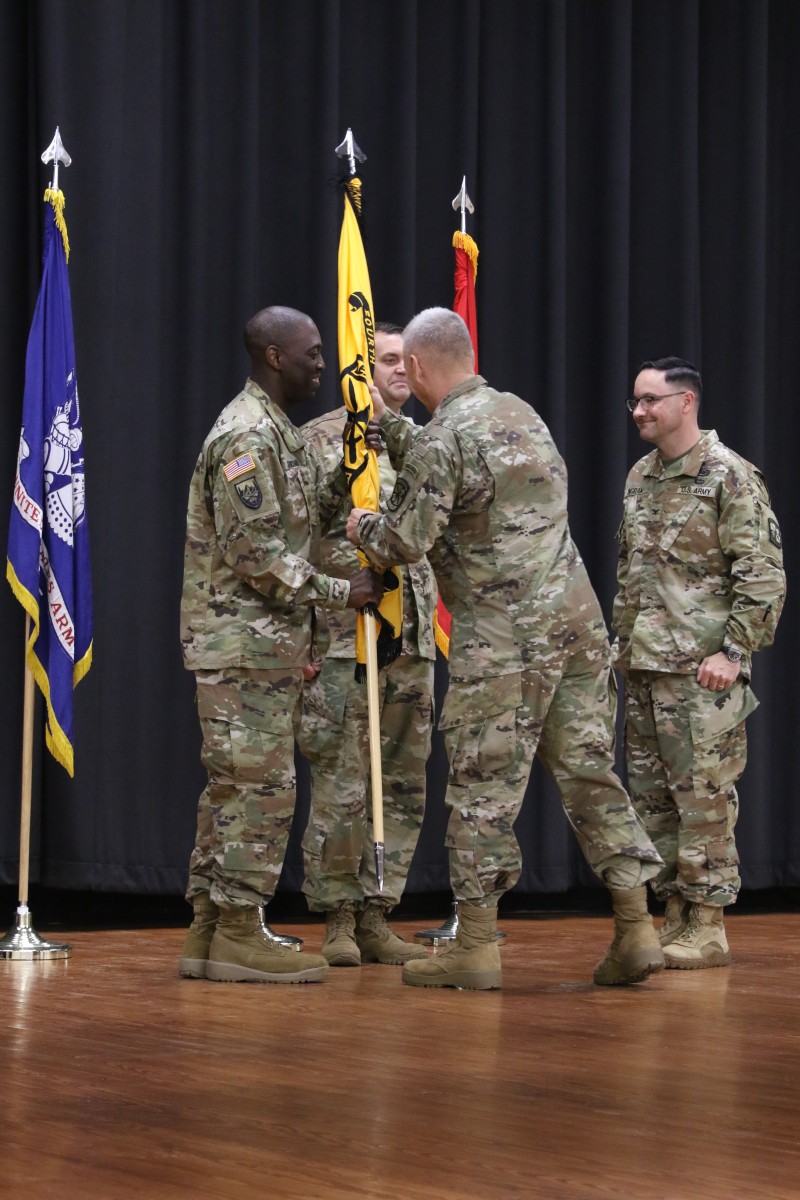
(249, 493)
(774, 533)
(245, 462)
(398, 495)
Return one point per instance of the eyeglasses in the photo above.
(633, 402)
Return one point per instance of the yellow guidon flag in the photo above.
(356, 330)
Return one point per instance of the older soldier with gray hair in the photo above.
(256, 502)
(483, 491)
(701, 586)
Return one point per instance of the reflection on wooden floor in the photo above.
(122, 1080)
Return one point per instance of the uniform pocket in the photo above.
(691, 531)
(474, 701)
(479, 721)
(325, 696)
(245, 733)
(722, 853)
(334, 720)
(712, 715)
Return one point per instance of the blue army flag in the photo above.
(48, 542)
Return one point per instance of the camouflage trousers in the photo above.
(493, 728)
(338, 843)
(248, 719)
(686, 747)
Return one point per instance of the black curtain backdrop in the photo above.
(635, 168)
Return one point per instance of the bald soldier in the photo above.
(483, 491)
(701, 588)
(256, 502)
(338, 845)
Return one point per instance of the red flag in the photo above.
(465, 275)
(441, 627)
(464, 304)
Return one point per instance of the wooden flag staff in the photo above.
(23, 942)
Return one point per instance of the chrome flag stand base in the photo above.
(24, 943)
(280, 939)
(447, 931)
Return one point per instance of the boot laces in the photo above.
(373, 919)
(694, 923)
(340, 921)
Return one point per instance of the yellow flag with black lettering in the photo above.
(356, 328)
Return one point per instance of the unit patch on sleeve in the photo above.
(774, 533)
(245, 462)
(250, 493)
(398, 495)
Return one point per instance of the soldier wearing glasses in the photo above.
(700, 588)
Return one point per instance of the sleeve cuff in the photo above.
(338, 592)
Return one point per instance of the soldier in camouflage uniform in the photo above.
(483, 491)
(701, 586)
(256, 501)
(338, 845)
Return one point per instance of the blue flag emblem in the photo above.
(48, 546)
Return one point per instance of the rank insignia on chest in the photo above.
(249, 493)
(774, 533)
(398, 495)
(245, 462)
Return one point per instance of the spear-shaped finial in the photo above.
(56, 154)
(350, 150)
(463, 202)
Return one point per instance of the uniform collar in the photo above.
(690, 463)
(463, 389)
(290, 434)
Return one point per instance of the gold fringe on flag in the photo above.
(57, 199)
(462, 241)
(441, 638)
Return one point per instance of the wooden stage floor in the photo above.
(121, 1080)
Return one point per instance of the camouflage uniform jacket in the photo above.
(700, 561)
(339, 556)
(483, 491)
(256, 500)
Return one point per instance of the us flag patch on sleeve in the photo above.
(239, 465)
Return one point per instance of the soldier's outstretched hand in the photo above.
(365, 588)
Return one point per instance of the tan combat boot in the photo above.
(241, 953)
(378, 942)
(471, 961)
(676, 917)
(703, 942)
(198, 940)
(635, 951)
(340, 947)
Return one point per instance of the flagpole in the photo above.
(463, 203)
(23, 942)
(350, 150)
(448, 930)
(27, 776)
(375, 763)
